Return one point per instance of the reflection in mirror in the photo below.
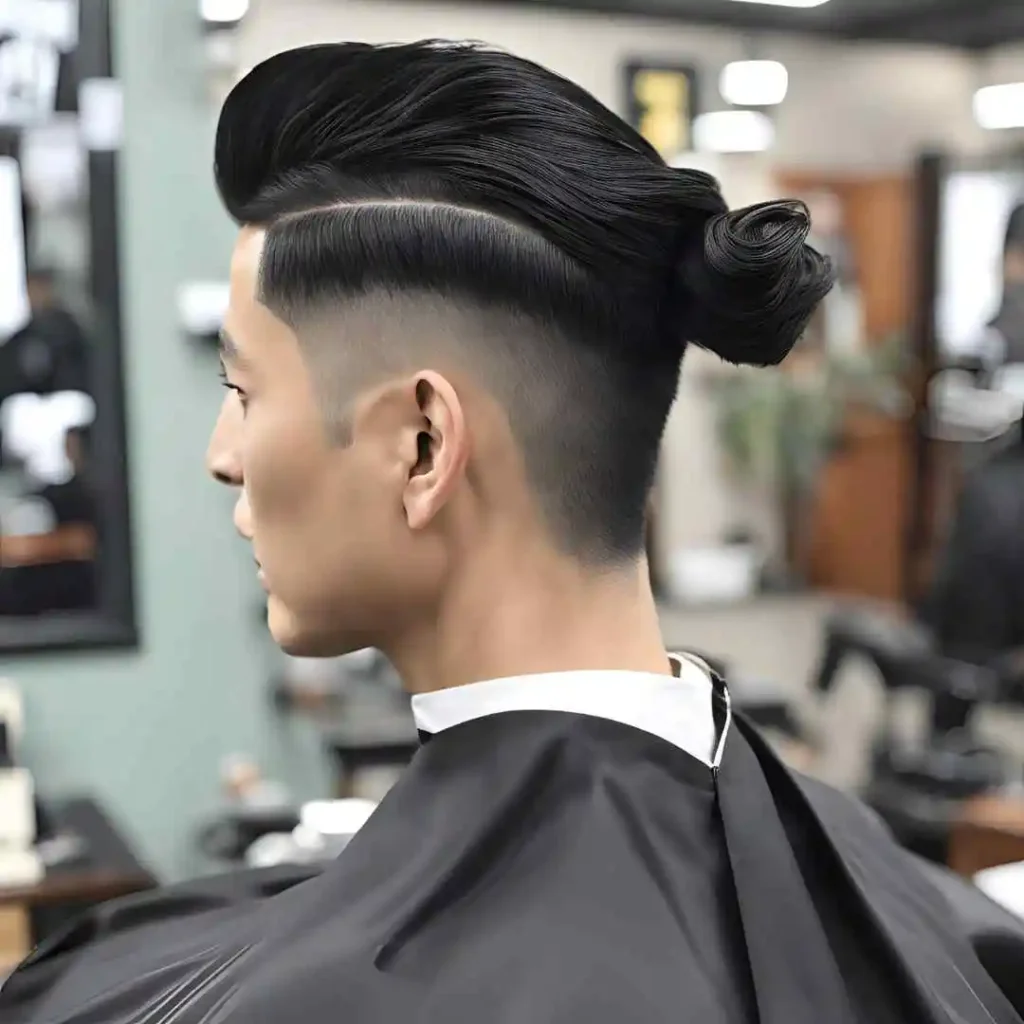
(970, 345)
(981, 277)
(64, 549)
(979, 306)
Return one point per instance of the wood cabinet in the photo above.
(988, 833)
(859, 518)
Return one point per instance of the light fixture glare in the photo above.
(733, 131)
(754, 83)
(1000, 106)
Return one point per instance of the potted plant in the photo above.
(778, 428)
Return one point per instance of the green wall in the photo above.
(145, 731)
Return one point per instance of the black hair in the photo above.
(467, 173)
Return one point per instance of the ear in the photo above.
(441, 449)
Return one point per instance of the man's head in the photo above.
(459, 302)
(1013, 247)
(41, 287)
(76, 446)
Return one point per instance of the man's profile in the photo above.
(460, 298)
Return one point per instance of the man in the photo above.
(1004, 342)
(51, 352)
(460, 297)
(976, 605)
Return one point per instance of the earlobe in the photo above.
(442, 449)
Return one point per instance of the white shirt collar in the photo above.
(676, 708)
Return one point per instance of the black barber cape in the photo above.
(537, 867)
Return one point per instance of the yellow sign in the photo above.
(661, 106)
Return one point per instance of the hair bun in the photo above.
(751, 287)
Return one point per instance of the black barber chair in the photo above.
(768, 709)
(917, 791)
(227, 838)
(964, 657)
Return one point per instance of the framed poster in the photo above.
(661, 103)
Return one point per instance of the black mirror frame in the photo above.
(113, 624)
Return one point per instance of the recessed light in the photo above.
(223, 12)
(1000, 106)
(754, 83)
(784, 3)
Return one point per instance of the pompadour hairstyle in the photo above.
(487, 181)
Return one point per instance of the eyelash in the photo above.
(232, 387)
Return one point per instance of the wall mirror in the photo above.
(968, 338)
(65, 543)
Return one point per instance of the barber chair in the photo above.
(918, 791)
(261, 838)
(769, 708)
(229, 837)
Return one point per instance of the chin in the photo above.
(297, 639)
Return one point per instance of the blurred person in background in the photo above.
(51, 352)
(460, 297)
(976, 605)
(1003, 339)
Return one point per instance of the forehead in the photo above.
(245, 267)
(248, 323)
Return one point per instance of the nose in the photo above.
(223, 454)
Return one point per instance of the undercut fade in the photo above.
(485, 181)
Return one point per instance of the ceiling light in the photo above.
(754, 83)
(1000, 106)
(785, 3)
(733, 131)
(223, 12)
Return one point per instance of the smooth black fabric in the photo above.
(548, 868)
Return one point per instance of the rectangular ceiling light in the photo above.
(223, 12)
(1000, 106)
(784, 3)
(754, 83)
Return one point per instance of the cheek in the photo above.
(326, 520)
(281, 466)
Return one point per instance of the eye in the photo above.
(225, 382)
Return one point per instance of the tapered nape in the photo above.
(483, 180)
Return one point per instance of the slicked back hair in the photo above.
(485, 181)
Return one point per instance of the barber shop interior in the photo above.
(835, 537)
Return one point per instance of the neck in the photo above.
(509, 617)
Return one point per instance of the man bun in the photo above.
(751, 283)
